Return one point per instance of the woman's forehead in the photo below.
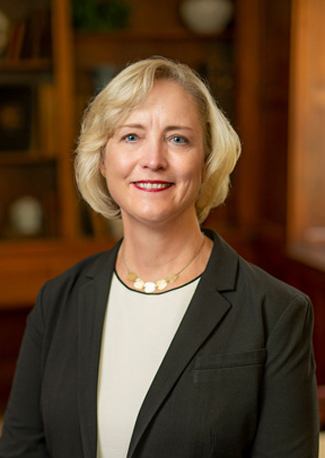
(166, 97)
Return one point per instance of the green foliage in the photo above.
(100, 15)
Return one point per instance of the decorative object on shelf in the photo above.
(26, 217)
(4, 33)
(100, 15)
(16, 113)
(207, 16)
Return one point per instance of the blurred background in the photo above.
(265, 63)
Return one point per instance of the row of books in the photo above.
(31, 38)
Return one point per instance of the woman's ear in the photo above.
(103, 169)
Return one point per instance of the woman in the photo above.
(169, 345)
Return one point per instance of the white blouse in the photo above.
(138, 330)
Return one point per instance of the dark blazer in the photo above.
(237, 381)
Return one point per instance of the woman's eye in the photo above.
(130, 138)
(179, 139)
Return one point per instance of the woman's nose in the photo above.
(154, 155)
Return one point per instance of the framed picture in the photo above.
(16, 118)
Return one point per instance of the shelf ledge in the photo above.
(26, 65)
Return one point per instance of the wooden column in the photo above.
(248, 66)
(64, 74)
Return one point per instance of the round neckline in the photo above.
(155, 293)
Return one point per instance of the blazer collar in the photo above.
(206, 310)
(221, 271)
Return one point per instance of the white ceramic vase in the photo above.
(207, 16)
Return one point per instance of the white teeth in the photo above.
(152, 185)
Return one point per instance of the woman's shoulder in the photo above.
(248, 274)
(78, 270)
(79, 273)
(59, 295)
(270, 300)
(262, 282)
(252, 287)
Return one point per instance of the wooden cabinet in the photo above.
(40, 222)
(37, 107)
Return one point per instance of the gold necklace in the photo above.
(151, 286)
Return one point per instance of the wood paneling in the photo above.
(263, 69)
(306, 222)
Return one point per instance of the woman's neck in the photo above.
(155, 254)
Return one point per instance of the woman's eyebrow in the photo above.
(180, 127)
(130, 126)
(141, 126)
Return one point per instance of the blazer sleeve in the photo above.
(23, 434)
(289, 422)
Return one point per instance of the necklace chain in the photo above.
(151, 286)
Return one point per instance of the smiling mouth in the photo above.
(152, 185)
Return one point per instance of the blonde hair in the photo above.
(119, 98)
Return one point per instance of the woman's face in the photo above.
(153, 162)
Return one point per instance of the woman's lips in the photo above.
(152, 186)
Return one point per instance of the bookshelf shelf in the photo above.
(26, 65)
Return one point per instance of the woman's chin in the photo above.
(156, 217)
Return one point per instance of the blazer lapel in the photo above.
(205, 311)
(91, 313)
